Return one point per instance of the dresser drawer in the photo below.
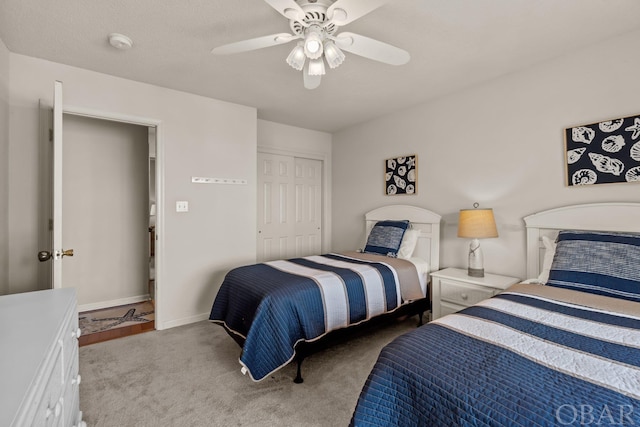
(50, 407)
(458, 293)
(38, 386)
(71, 396)
(70, 335)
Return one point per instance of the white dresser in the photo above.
(453, 289)
(39, 379)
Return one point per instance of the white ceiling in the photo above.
(453, 44)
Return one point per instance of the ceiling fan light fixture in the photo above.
(297, 57)
(316, 67)
(333, 54)
(313, 42)
(315, 26)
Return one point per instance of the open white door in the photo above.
(54, 242)
(58, 253)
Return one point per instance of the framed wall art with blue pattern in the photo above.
(401, 175)
(603, 152)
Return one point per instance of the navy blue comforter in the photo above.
(528, 357)
(272, 306)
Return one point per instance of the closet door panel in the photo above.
(275, 207)
(308, 205)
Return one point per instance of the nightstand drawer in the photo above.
(448, 308)
(453, 289)
(464, 295)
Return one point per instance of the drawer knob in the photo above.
(464, 296)
(56, 411)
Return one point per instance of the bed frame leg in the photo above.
(420, 318)
(298, 379)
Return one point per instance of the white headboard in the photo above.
(624, 216)
(428, 246)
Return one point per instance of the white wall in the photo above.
(500, 144)
(199, 137)
(277, 138)
(105, 195)
(4, 167)
(292, 138)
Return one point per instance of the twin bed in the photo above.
(563, 353)
(283, 310)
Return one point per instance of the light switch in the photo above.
(182, 206)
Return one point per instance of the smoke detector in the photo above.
(120, 41)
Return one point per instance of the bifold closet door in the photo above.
(308, 206)
(289, 207)
(275, 206)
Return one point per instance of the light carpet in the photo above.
(190, 376)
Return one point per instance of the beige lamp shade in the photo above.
(477, 224)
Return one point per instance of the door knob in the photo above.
(44, 256)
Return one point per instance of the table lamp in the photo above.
(476, 224)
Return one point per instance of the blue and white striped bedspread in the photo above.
(276, 304)
(531, 356)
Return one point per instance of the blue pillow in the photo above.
(385, 237)
(598, 262)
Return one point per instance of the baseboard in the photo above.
(112, 303)
(182, 321)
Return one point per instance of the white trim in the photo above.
(56, 195)
(622, 216)
(184, 321)
(159, 245)
(315, 155)
(115, 117)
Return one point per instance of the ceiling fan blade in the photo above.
(253, 44)
(372, 49)
(310, 82)
(343, 12)
(287, 8)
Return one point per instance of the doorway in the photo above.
(110, 198)
(106, 215)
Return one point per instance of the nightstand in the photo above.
(453, 289)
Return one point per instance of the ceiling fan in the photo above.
(315, 23)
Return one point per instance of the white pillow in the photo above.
(408, 244)
(550, 250)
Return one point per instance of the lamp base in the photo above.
(476, 260)
(475, 272)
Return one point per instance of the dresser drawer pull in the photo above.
(56, 411)
(464, 296)
(76, 333)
